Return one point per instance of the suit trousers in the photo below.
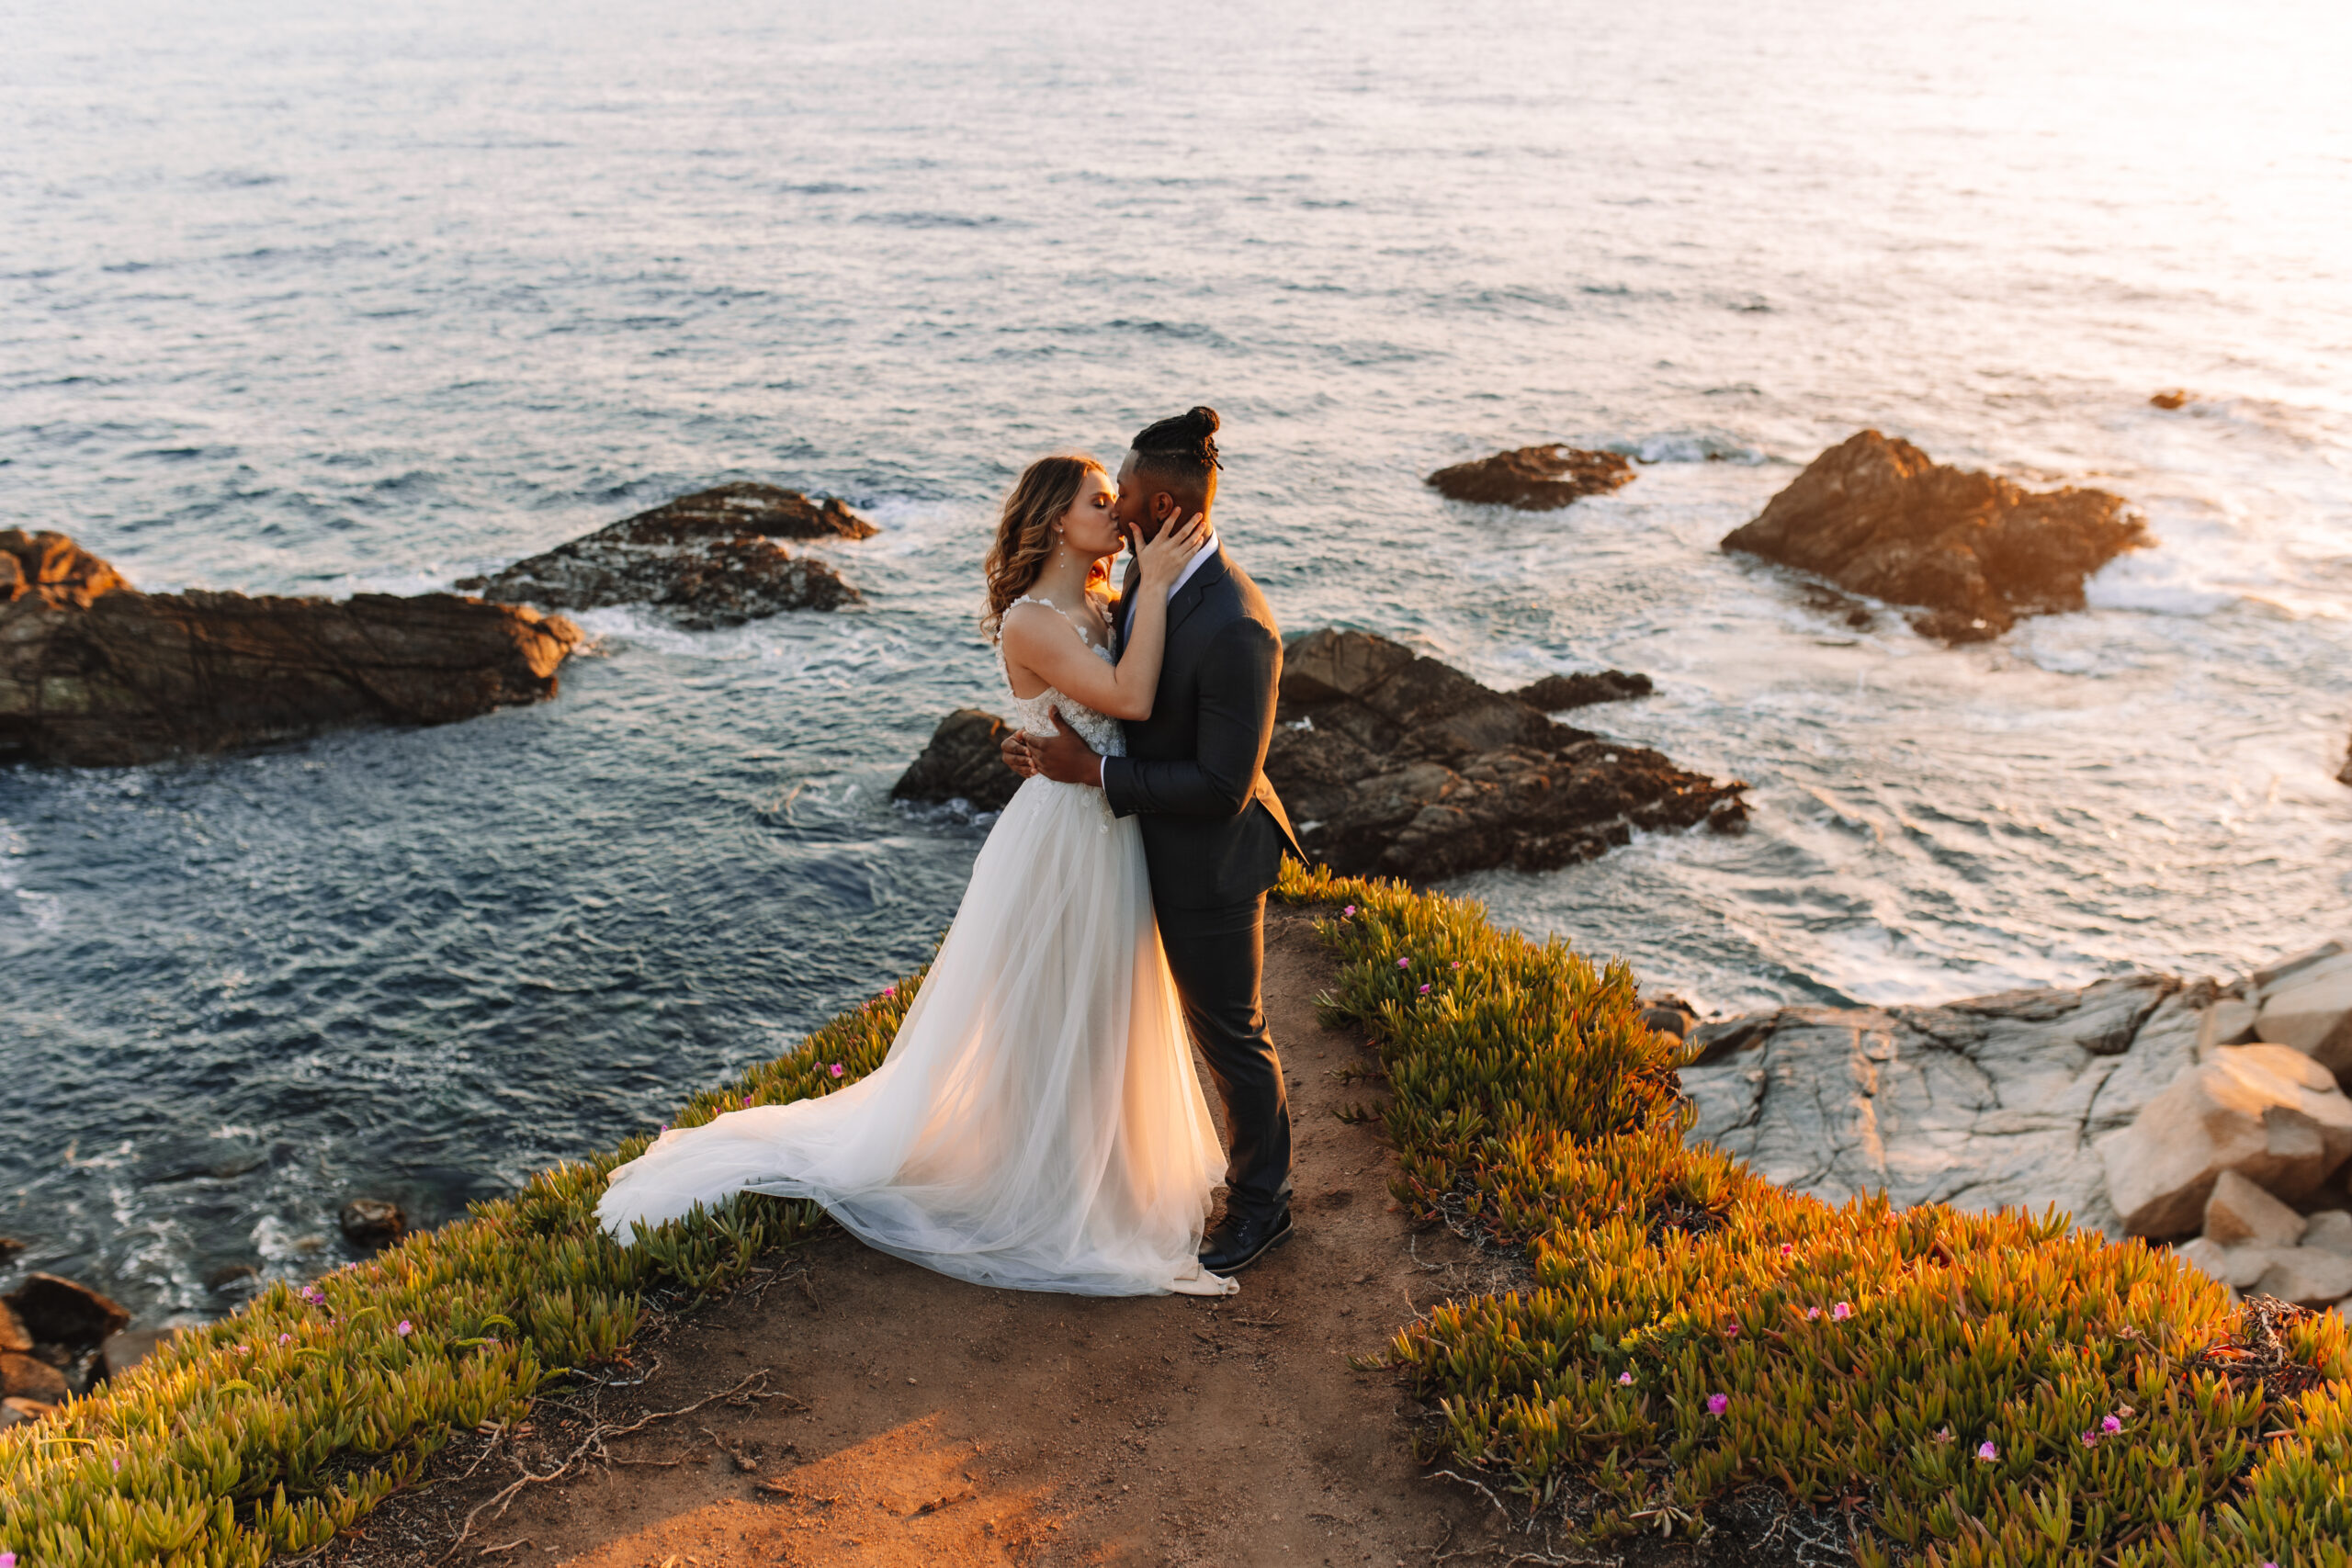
(1218, 957)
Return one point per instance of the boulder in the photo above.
(1396, 764)
(14, 1337)
(2297, 967)
(13, 1410)
(59, 1312)
(2306, 1276)
(2172, 397)
(2312, 1012)
(962, 762)
(708, 559)
(2330, 1230)
(372, 1222)
(9, 1247)
(27, 1377)
(1984, 1104)
(2267, 1111)
(1557, 694)
(1875, 515)
(125, 1350)
(2238, 1213)
(94, 673)
(2236, 1266)
(1533, 478)
(2229, 1021)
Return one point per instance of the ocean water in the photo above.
(301, 298)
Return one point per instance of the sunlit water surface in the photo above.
(318, 298)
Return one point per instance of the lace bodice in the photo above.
(1029, 714)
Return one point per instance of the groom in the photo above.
(1214, 833)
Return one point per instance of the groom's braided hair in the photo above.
(1180, 452)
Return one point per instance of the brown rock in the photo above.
(1534, 478)
(94, 673)
(2267, 1111)
(1557, 694)
(23, 1377)
(710, 560)
(2172, 397)
(9, 1246)
(2312, 1012)
(13, 1410)
(373, 1221)
(2237, 1213)
(59, 1312)
(1874, 514)
(14, 1337)
(962, 762)
(1398, 764)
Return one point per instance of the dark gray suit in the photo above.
(1214, 835)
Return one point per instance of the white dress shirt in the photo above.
(1208, 548)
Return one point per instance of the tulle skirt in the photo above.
(1037, 1124)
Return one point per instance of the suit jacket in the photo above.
(1213, 830)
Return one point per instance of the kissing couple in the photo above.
(1037, 1124)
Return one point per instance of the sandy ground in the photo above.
(883, 1414)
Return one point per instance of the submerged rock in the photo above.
(1394, 763)
(94, 673)
(373, 1221)
(710, 560)
(1533, 478)
(1875, 515)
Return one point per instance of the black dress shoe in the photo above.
(1240, 1240)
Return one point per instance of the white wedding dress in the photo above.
(1037, 1124)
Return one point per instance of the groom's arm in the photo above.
(1238, 675)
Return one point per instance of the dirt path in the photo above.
(912, 1419)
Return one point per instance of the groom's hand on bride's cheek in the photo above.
(1065, 758)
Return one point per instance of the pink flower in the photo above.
(7, 1559)
(1841, 1312)
(1455, 965)
(1812, 1313)
(1731, 1331)
(1717, 1404)
(1347, 912)
(1404, 963)
(1943, 1435)
(1425, 990)
(835, 1069)
(1987, 1452)
(746, 1102)
(2111, 1425)
(889, 990)
(286, 1339)
(1624, 1379)
(1788, 1249)
(405, 1329)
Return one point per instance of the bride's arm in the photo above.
(1046, 648)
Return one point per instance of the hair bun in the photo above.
(1204, 420)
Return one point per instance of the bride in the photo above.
(1037, 1124)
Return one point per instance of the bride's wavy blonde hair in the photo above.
(1047, 490)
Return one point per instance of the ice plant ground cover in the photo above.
(1965, 1389)
(270, 1430)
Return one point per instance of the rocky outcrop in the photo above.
(1533, 478)
(1983, 1103)
(962, 762)
(2172, 397)
(1395, 764)
(94, 672)
(1875, 515)
(710, 560)
(50, 1333)
(2129, 1104)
